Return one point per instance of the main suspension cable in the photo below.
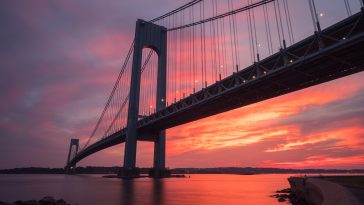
(256, 4)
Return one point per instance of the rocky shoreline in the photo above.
(48, 200)
(286, 195)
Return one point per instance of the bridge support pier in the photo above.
(159, 163)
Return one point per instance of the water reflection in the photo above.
(158, 191)
(127, 188)
(93, 189)
(136, 192)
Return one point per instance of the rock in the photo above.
(45, 201)
(30, 202)
(61, 202)
(281, 199)
(48, 200)
(288, 190)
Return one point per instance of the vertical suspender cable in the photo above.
(316, 15)
(176, 60)
(347, 6)
(267, 29)
(223, 45)
(219, 65)
(236, 42)
(313, 15)
(204, 44)
(168, 62)
(250, 34)
(281, 23)
(277, 24)
(231, 36)
(193, 54)
(202, 53)
(288, 21)
(182, 58)
(213, 45)
(255, 35)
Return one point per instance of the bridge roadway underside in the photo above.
(310, 66)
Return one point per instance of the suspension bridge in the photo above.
(208, 57)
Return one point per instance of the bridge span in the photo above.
(326, 55)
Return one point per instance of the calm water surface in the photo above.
(93, 189)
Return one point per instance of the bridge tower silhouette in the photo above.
(147, 35)
(74, 145)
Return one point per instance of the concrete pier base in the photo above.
(129, 173)
(159, 173)
(70, 170)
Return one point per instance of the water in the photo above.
(93, 189)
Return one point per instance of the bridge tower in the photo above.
(147, 35)
(74, 143)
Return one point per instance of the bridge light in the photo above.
(291, 61)
(162, 100)
(259, 45)
(177, 91)
(253, 76)
(244, 81)
(344, 38)
(265, 72)
(151, 106)
(196, 81)
(221, 66)
(321, 14)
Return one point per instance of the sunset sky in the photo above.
(60, 59)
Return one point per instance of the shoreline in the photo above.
(47, 200)
(338, 190)
(216, 170)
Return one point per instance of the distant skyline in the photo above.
(59, 61)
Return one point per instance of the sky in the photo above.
(59, 61)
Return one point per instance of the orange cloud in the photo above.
(351, 136)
